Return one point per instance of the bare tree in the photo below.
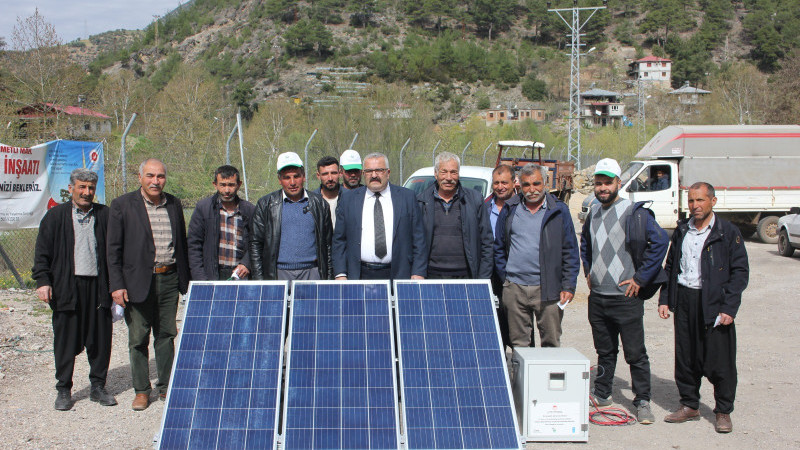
(740, 93)
(39, 66)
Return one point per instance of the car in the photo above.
(586, 206)
(789, 232)
(471, 177)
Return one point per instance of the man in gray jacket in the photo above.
(457, 227)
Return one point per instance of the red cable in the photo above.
(609, 416)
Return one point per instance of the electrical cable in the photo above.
(609, 416)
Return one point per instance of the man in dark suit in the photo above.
(219, 231)
(391, 244)
(148, 267)
(71, 276)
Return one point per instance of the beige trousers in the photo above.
(523, 303)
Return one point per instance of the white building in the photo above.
(652, 69)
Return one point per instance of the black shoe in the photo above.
(63, 401)
(100, 395)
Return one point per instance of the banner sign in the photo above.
(35, 179)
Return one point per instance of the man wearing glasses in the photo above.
(379, 233)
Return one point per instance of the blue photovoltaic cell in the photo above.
(340, 388)
(456, 392)
(225, 380)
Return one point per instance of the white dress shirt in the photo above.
(368, 227)
(691, 253)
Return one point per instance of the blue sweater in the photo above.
(298, 248)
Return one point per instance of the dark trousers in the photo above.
(374, 272)
(158, 313)
(703, 350)
(88, 326)
(502, 314)
(614, 319)
(224, 273)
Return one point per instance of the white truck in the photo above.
(755, 170)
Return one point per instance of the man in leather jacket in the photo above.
(291, 229)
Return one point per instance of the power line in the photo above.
(575, 25)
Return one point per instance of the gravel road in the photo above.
(769, 374)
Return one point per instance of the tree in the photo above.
(362, 10)
(533, 88)
(490, 15)
(39, 66)
(741, 92)
(665, 17)
(119, 94)
(307, 36)
(785, 91)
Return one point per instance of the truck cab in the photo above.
(655, 182)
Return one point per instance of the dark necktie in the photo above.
(380, 229)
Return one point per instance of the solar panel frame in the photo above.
(175, 394)
(402, 363)
(293, 334)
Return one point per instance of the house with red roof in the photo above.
(652, 69)
(79, 120)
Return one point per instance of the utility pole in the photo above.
(640, 116)
(575, 25)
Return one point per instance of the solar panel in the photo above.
(454, 379)
(340, 387)
(226, 375)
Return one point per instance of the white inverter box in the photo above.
(551, 393)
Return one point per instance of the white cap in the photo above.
(350, 160)
(289, 159)
(607, 167)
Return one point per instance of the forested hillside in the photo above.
(380, 75)
(252, 44)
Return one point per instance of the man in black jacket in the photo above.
(708, 271)
(219, 231)
(291, 230)
(536, 257)
(148, 269)
(458, 233)
(71, 276)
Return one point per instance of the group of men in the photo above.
(137, 254)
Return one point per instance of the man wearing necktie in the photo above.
(379, 234)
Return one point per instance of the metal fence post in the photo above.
(464, 152)
(241, 152)
(228, 145)
(124, 155)
(402, 150)
(305, 152)
(483, 162)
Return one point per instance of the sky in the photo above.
(75, 19)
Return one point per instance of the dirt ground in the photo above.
(769, 374)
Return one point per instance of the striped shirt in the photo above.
(162, 231)
(85, 250)
(231, 237)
